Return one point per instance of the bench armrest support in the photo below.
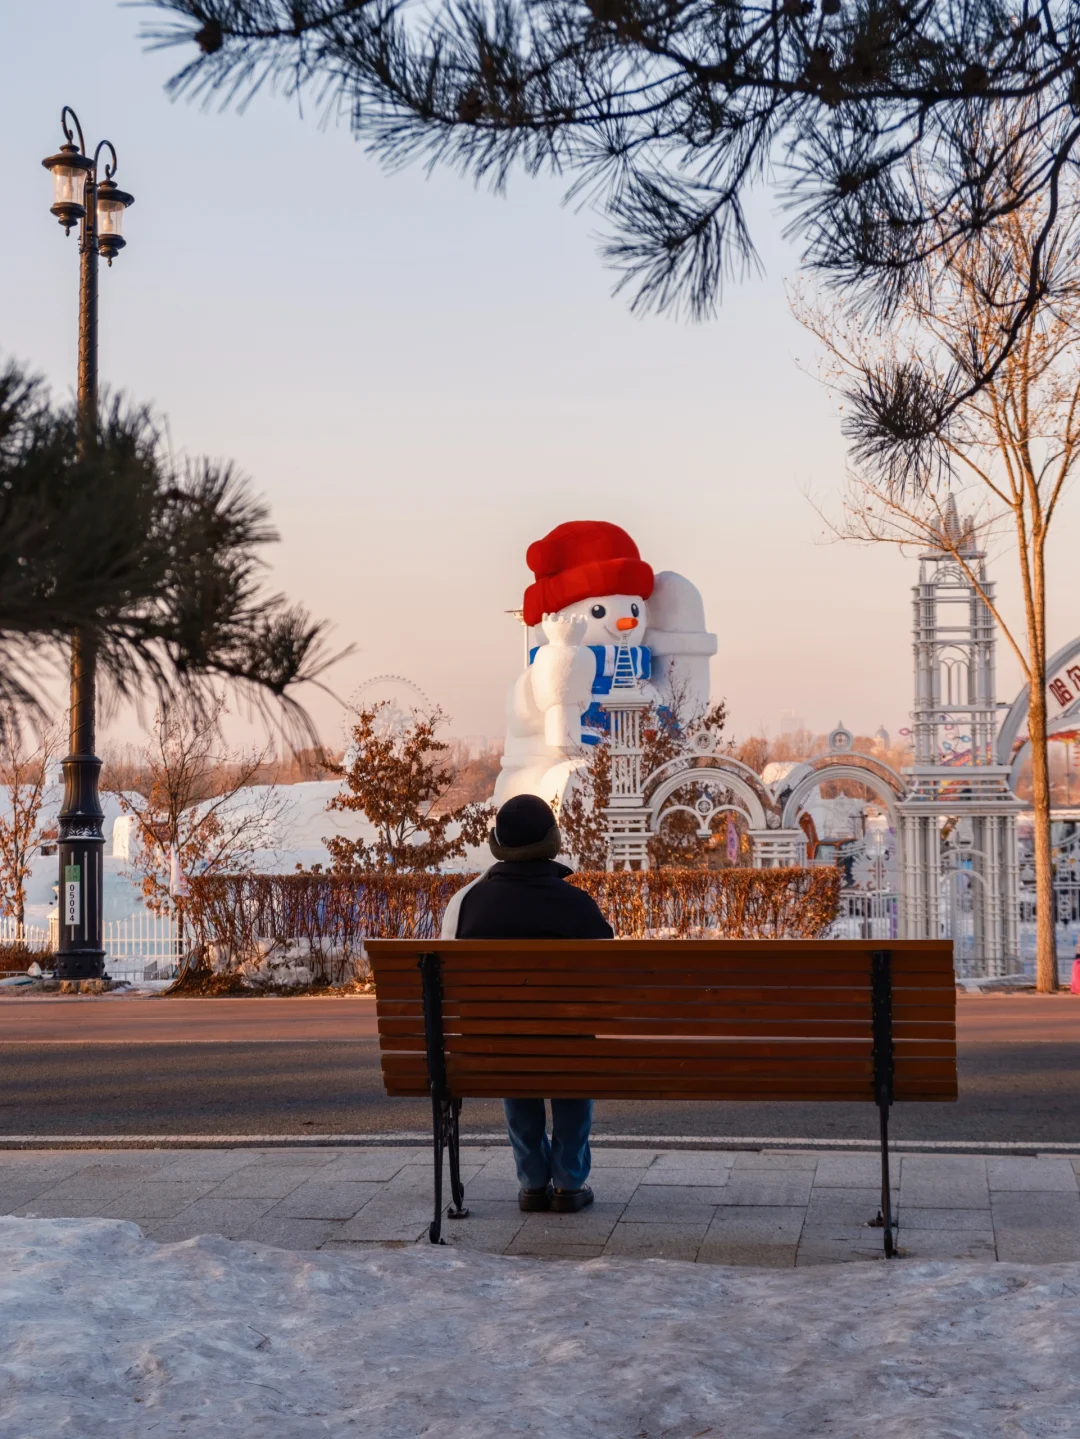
(445, 1111)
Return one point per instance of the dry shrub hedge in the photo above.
(718, 904)
(331, 915)
(16, 958)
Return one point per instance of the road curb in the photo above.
(417, 1138)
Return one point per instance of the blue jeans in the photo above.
(565, 1159)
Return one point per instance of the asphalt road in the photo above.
(167, 1067)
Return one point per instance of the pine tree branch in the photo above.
(161, 561)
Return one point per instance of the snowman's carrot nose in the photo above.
(626, 624)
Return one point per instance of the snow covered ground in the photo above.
(106, 1333)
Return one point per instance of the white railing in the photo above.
(866, 914)
(1066, 927)
(29, 936)
(146, 946)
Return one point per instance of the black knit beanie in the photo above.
(525, 828)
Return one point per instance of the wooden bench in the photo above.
(786, 1020)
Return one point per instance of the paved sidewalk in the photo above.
(749, 1207)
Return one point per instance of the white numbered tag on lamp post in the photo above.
(72, 894)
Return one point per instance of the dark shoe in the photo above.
(533, 1200)
(569, 1201)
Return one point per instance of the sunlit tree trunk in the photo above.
(1034, 579)
(1045, 946)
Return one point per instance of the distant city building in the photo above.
(792, 724)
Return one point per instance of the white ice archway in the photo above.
(714, 772)
(863, 769)
(1016, 719)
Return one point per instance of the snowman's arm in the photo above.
(521, 708)
(561, 679)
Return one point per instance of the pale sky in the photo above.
(422, 378)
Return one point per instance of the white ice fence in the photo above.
(31, 937)
(144, 946)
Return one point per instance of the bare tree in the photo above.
(24, 775)
(1013, 443)
(201, 812)
(476, 771)
(124, 768)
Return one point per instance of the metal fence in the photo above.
(32, 937)
(145, 946)
(1066, 927)
(866, 914)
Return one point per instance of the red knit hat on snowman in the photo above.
(579, 559)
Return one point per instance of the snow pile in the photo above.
(274, 962)
(293, 963)
(109, 1334)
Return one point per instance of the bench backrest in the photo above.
(671, 1019)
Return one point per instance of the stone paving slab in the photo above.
(912, 1217)
(1010, 1173)
(769, 1186)
(764, 1208)
(328, 1199)
(954, 1244)
(854, 1171)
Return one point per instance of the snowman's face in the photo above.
(610, 618)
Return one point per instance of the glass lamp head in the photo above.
(70, 171)
(111, 204)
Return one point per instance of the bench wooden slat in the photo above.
(656, 1047)
(662, 987)
(539, 1007)
(544, 986)
(759, 968)
(712, 1088)
(718, 1092)
(929, 951)
(392, 1028)
(750, 1075)
(404, 985)
(804, 996)
(699, 963)
(752, 1071)
(914, 1067)
(785, 1095)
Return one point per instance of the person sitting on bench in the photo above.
(525, 896)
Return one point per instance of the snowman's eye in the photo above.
(598, 612)
(634, 611)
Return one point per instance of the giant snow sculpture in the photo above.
(592, 593)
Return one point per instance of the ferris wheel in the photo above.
(398, 698)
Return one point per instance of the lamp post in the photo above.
(97, 206)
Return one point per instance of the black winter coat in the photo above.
(529, 900)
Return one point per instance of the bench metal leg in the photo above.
(446, 1135)
(457, 1209)
(881, 1022)
(439, 1136)
(885, 1217)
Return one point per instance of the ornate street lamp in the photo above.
(97, 207)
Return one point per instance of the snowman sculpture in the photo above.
(592, 594)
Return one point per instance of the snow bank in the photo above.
(107, 1333)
